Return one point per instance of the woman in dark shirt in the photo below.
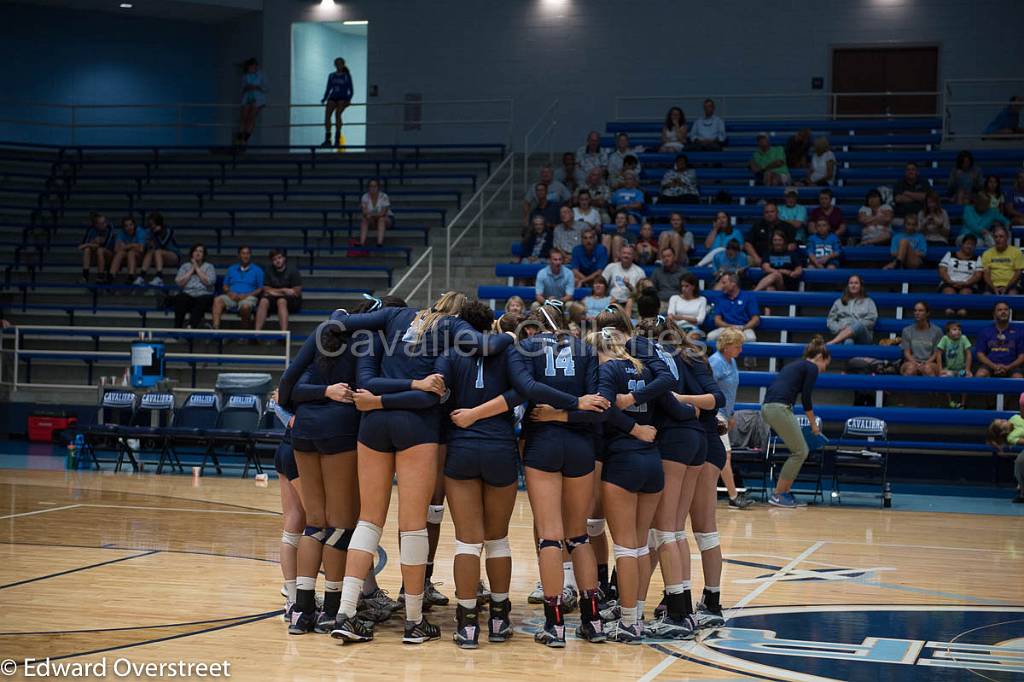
(777, 411)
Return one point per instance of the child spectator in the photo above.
(161, 249)
(646, 245)
(598, 299)
(128, 247)
(955, 358)
(98, 242)
(875, 218)
(908, 247)
(823, 247)
(731, 260)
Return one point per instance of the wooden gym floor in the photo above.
(162, 569)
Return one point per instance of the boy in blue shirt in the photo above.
(908, 247)
(243, 284)
(823, 247)
(731, 260)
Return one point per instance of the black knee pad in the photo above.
(338, 538)
(315, 532)
(573, 543)
(541, 544)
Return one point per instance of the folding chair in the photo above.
(114, 414)
(235, 424)
(811, 471)
(154, 414)
(189, 427)
(867, 464)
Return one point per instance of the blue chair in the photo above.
(237, 420)
(154, 414)
(867, 464)
(189, 427)
(116, 411)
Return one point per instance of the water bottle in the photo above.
(887, 495)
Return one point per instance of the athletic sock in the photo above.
(429, 573)
(640, 603)
(675, 602)
(712, 598)
(350, 589)
(568, 576)
(687, 596)
(499, 597)
(553, 611)
(414, 607)
(468, 604)
(304, 598)
(630, 615)
(332, 597)
(289, 587)
(588, 606)
(602, 577)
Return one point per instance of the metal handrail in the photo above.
(551, 109)
(478, 217)
(953, 105)
(429, 256)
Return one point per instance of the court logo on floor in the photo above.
(857, 643)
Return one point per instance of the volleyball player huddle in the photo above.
(619, 431)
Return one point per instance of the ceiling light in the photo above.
(361, 22)
(125, 5)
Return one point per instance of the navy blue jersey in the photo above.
(472, 381)
(694, 377)
(407, 355)
(304, 384)
(620, 376)
(339, 86)
(394, 394)
(164, 240)
(105, 240)
(646, 351)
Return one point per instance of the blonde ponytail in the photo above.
(608, 342)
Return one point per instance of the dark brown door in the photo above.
(894, 70)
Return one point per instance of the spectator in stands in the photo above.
(667, 275)
(196, 279)
(798, 147)
(1002, 264)
(955, 353)
(688, 309)
(591, 156)
(853, 315)
(97, 243)
(909, 247)
(554, 195)
(964, 179)
(570, 174)
(707, 134)
(254, 99)
(543, 207)
(566, 235)
(768, 163)
(782, 268)
(961, 271)
(585, 212)
(621, 235)
(645, 299)
(243, 284)
(337, 98)
(909, 193)
(994, 191)
(822, 170)
(598, 299)
(674, 131)
(823, 247)
(727, 375)
(759, 239)
(1007, 121)
(554, 280)
(128, 248)
(979, 218)
(623, 275)
(589, 259)
(874, 218)
(933, 219)
(679, 184)
(832, 214)
(1000, 348)
(515, 305)
(730, 260)
(161, 249)
(677, 238)
(376, 209)
(795, 214)
(1013, 207)
(722, 232)
(630, 198)
(735, 309)
(646, 244)
(538, 242)
(631, 164)
(920, 344)
(597, 189)
(617, 158)
(282, 291)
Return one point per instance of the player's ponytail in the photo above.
(614, 316)
(610, 343)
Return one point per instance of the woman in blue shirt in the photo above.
(729, 345)
(338, 97)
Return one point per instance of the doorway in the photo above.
(315, 46)
(886, 69)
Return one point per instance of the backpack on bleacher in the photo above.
(750, 430)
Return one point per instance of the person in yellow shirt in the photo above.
(1002, 264)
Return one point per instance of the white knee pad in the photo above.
(663, 537)
(468, 548)
(365, 538)
(414, 547)
(595, 527)
(652, 539)
(290, 539)
(435, 514)
(621, 552)
(643, 550)
(680, 536)
(706, 541)
(498, 549)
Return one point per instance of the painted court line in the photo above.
(79, 568)
(39, 511)
(176, 509)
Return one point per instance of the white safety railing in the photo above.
(427, 277)
(72, 123)
(472, 213)
(25, 333)
(970, 104)
(540, 132)
(768, 106)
